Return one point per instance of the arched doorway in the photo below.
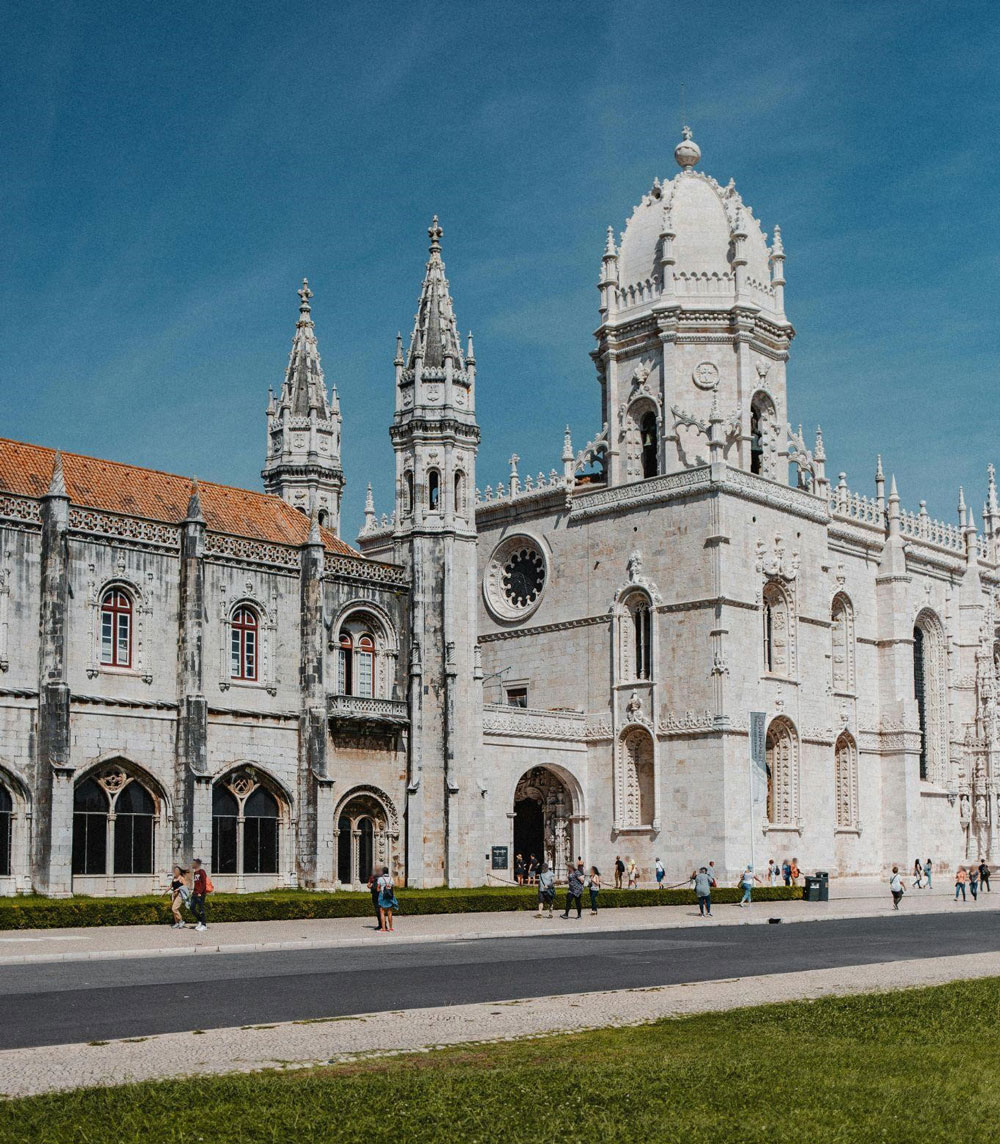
(367, 837)
(544, 817)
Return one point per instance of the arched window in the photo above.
(929, 689)
(365, 656)
(776, 631)
(364, 659)
(114, 816)
(90, 829)
(135, 813)
(322, 517)
(460, 493)
(642, 633)
(367, 832)
(433, 490)
(260, 833)
(846, 779)
(116, 628)
(246, 826)
(6, 830)
(650, 445)
(763, 432)
(244, 631)
(407, 492)
(225, 821)
(782, 759)
(345, 665)
(637, 778)
(842, 644)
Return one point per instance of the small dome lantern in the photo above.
(687, 152)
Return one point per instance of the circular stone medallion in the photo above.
(514, 579)
(705, 375)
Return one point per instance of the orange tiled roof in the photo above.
(132, 491)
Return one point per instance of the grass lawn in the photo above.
(915, 1067)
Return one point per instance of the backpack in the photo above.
(209, 888)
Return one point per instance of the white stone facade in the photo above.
(562, 664)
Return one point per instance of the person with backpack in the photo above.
(660, 874)
(546, 890)
(984, 875)
(180, 895)
(786, 871)
(200, 888)
(373, 890)
(386, 899)
(619, 871)
(974, 882)
(896, 887)
(747, 880)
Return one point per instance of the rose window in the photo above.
(523, 577)
(515, 576)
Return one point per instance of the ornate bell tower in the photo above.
(436, 437)
(303, 430)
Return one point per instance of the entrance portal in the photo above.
(543, 807)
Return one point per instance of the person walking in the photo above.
(660, 874)
(180, 894)
(974, 882)
(633, 875)
(574, 892)
(703, 892)
(747, 880)
(961, 878)
(546, 890)
(896, 887)
(927, 872)
(386, 899)
(773, 872)
(373, 890)
(619, 871)
(594, 886)
(795, 871)
(918, 875)
(200, 887)
(984, 874)
(786, 871)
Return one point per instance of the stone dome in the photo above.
(701, 215)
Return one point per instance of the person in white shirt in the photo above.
(896, 886)
(660, 873)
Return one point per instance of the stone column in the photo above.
(192, 832)
(53, 811)
(312, 719)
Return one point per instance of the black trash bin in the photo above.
(823, 878)
(813, 889)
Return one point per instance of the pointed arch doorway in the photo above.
(546, 817)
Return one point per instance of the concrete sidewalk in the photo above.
(854, 899)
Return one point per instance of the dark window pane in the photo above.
(6, 803)
(90, 843)
(224, 844)
(89, 796)
(260, 846)
(260, 805)
(344, 851)
(135, 799)
(134, 844)
(224, 802)
(6, 828)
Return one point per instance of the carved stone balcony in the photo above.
(376, 713)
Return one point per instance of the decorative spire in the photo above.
(470, 353)
(304, 388)
(961, 507)
(194, 513)
(610, 250)
(777, 248)
(991, 495)
(435, 331)
(879, 475)
(370, 524)
(819, 453)
(399, 359)
(687, 152)
(57, 484)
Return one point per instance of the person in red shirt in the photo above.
(199, 889)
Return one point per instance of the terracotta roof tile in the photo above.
(133, 491)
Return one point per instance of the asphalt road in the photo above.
(70, 1002)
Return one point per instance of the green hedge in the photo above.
(32, 912)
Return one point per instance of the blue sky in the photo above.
(172, 171)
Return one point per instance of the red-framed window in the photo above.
(116, 628)
(243, 644)
(365, 665)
